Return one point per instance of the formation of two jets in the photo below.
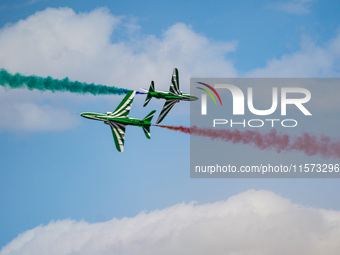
(119, 118)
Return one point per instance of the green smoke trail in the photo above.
(31, 82)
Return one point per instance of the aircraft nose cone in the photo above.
(85, 115)
(193, 98)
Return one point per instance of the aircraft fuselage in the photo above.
(108, 117)
(169, 95)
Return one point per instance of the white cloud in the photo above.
(32, 117)
(298, 7)
(86, 47)
(59, 42)
(19, 112)
(310, 61)
(253, 222)
(55, 40)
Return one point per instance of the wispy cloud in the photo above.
(34, 1)
(20, 4)
(29, 2)
(298, 7)
(253, 222)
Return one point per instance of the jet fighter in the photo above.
(172, 97)
(119, 119)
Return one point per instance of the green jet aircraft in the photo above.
(119, 119)
(172, 97)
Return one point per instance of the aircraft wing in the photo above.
(174, 85)
(118, 132)
(166, 108)
(123, 109)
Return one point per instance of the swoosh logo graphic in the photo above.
(209, 93)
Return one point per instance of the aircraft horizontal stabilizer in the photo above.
(146, 130)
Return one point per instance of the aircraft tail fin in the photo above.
(146, 128)
(152, 87)
(148, 96)
(174, 85)
(149, 116)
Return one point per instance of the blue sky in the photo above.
(57, 166)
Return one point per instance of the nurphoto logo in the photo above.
(300, 97)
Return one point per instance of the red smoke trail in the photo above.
(309, 144)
